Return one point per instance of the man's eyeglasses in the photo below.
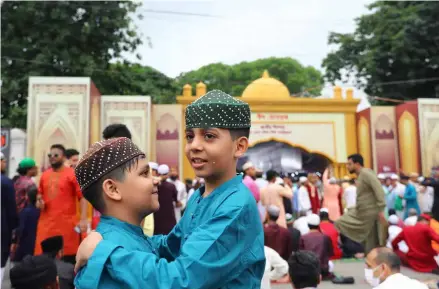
(53, 156)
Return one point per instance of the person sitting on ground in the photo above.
(301, 223)
(34, 272)
(275, 236)
(383, 271)
(295, 234)
(275, 267)
(418, 238)
(412, 218)
(53, 247)
(319, 243)
(328, 228)
(394, 231)
(400, 222)
(304, 269)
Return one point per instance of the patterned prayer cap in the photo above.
(103, 157)
(218, 109)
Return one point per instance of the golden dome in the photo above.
(266, 86)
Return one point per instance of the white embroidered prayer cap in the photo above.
(153, 166)
(381, 176)
(393, 219)
(313, 220)
(273, 211)
(247, 166)
(163, 170)
(394, 177)
(303, 179)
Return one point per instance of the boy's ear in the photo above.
(241, 146)
(110, 190)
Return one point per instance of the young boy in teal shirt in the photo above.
(219, 242)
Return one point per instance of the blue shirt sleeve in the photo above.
(214, 254)
(410, 193)
(168, 246)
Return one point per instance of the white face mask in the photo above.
(370, 279)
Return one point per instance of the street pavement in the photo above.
(356, 270)
(343, 268)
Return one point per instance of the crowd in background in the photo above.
(298, 212)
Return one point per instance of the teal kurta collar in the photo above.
(230, 183)
(111, 221)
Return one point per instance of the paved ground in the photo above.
(347, 268)
(356, 270)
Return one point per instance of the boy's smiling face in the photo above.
(212, 152)
(137, 191)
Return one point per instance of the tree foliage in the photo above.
(393, 53)
(233, 79)
(59, 38)
(135, 79)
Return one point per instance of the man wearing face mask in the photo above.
(383, 271)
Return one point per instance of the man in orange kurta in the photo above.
(58, 197)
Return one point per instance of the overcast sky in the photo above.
(244, 30)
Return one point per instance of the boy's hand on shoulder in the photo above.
(86, 249)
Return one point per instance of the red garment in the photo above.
(22, 186)
(60, 192)
(340, 204)
(420, 255)
(278, 239)
(314, 198)
(329, 230)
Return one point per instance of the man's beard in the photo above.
(57, 165)
(174, 178)
(3, 171)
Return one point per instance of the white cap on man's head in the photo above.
(303, 179)
(2, 156)
(273, 210)
(324, 210)
(153, 166)
(247, 165)
(313, 220)
(332, 180)
(393, 219)
(381, 176)
(163, 170)
(394, 177)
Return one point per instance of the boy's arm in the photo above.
(168, 246)
(214, 254)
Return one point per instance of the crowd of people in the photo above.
(218, 230)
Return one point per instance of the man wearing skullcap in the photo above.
(53, 247)
(396, 190)
(276, 237)
(37, 272)
(27, 169)
(318, 243)
(181, 192)
(58, 196)
(9, 214)
(154, 167)
(219, 242)
(249, 179)
(164, 218)
(115, 177)
(303, 195)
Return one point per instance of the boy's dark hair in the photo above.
(324, 216)
(71, 152)
(116, 130)
(352, 181)
(404, 177)
(34, 272)
(241, 132)
(313, 227)
(273, 218)
(94, 193)
(271, 175)
(356, 159)
(32, 195)
(23, 171)
(60, 147)
(304, 269)
(392, 212)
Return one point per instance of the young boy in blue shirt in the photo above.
(219, 242)
(115, 178)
